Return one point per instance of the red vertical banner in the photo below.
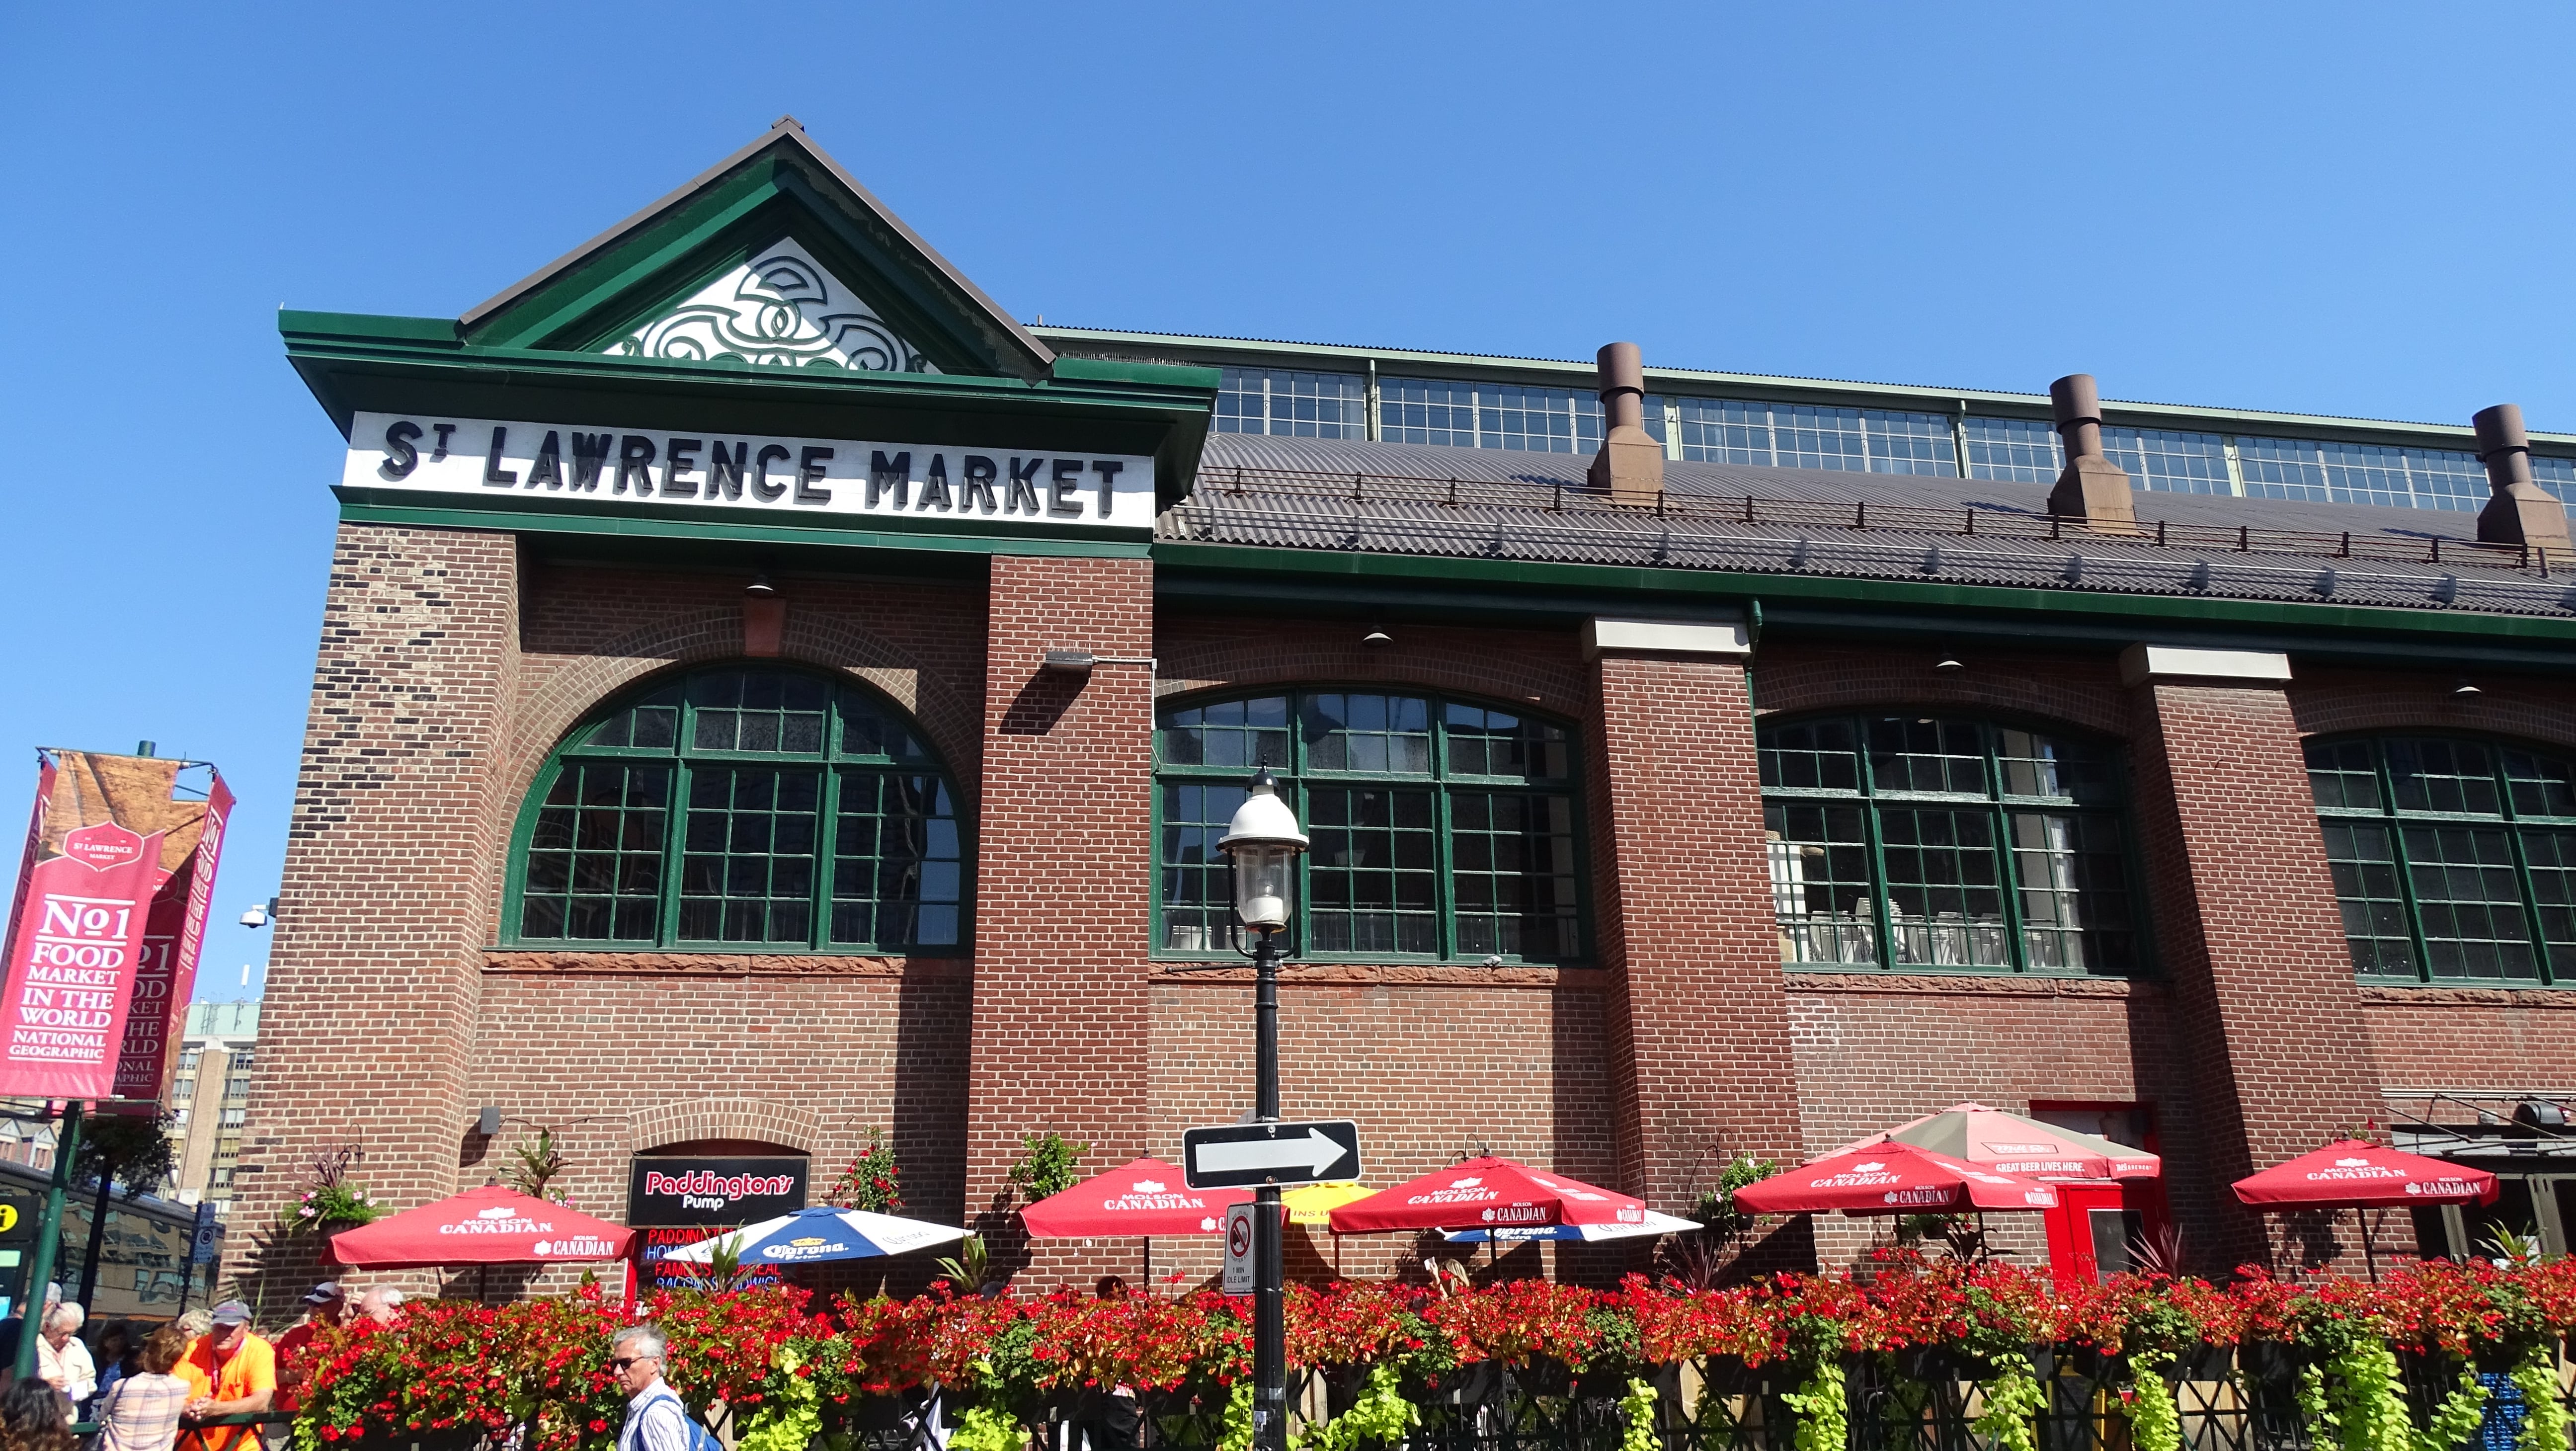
(173, 936)
(105, 930)
(78, 951)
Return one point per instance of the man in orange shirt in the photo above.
(240, 1367)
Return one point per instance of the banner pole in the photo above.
(49, 1229)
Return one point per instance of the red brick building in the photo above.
(1732, 768)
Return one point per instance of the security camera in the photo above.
(255, 917)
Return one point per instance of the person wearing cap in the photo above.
(241, 1370)
(326, 1307)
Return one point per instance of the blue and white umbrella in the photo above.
(812, 1235)
(1653, 1224)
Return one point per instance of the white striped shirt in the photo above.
(656, 1420)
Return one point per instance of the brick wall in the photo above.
(1065, 864)
(449, 668)
(1701, 1066)
(1436, 1064)
(373, 980)
(623, 1062)
(2265, 1003)
(1875, 1051)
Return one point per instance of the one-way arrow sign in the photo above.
(1247, 1156)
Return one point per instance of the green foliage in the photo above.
(1237, 1435)
(1719, 1218)
(2355, 1401)
(967, 1268)
(2155, 1424)
(131, 1149)
(791, 1419)
(1046, 1165)
(723, 1269)
(1637, 1417)
(331, 1201)
(873, 1182)
(985, 1428)
(536, 1165)
(2013, 1400)
(2544, 1416)
(2513, 1249)
(1824, 1415)
(2458, 1417)
(1380, 1416)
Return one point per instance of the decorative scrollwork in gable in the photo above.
(780, 308)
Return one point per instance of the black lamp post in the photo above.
(1264, 842)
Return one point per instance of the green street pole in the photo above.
(49, 1230)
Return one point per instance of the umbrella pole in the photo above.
(1149, 1265)
(482, 1283)
(2362, 1217)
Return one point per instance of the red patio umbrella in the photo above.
(486, 1226)
(1141, 1199)
(1482, 1194)
(2351, 1174)
(2356, 1175)
(2007, 1143)
(1888, 1177)
(1147, 1197)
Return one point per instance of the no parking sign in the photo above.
(1238, 1249)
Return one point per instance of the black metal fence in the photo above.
(2226, 1400)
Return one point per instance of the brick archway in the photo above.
(692, 1120)
(2085, 693)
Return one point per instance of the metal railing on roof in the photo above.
(1560, 497)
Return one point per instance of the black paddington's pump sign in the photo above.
(678, 1191)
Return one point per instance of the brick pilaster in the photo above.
(1064, 871)
(1701, 1065)
(2267, 1012)
(392, 863)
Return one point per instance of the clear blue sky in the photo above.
(2342, 209)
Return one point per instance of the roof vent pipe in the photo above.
(2090, 487)
(1630, 466)
(2519, 510)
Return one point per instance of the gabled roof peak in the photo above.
(780, 188)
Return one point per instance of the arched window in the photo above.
(1914, 842)
(2454, 860)
(1442, 829)
(741, 809)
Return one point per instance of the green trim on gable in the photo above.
(581, 309)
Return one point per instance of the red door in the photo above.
(2085, 1212)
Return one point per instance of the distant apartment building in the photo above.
(207, 1097)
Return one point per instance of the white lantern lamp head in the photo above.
(1264, 841)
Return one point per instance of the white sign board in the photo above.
(1238, 1249)
(778, 479)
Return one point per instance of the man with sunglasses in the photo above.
(655, 1418)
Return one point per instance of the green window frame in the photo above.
(742, 808)
(2454, 857)
(1930, 843)
(1444, 828)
